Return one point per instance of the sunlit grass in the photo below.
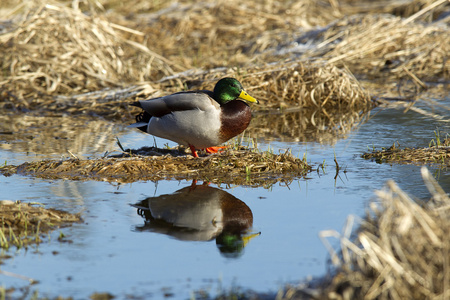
(436, 153)
(24, 224)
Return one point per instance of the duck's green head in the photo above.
(228, 89)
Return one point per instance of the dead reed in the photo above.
(66, 56)
(290, 85)
(217, 33)
(233, 166)
(70, 48)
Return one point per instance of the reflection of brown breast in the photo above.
(235, 117)
(237, 215)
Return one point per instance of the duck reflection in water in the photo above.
(200, 213)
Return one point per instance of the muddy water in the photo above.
(121, 249)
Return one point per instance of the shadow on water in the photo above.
(200, 213)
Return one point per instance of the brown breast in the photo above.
(235, 117)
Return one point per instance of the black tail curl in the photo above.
(142, 117)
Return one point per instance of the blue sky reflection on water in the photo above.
(109, 254)
(288, 248)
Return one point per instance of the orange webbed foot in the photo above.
(215, 149)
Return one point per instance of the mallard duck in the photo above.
(198, 119)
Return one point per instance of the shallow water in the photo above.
(114, 250)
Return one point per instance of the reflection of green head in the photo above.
(231, 245)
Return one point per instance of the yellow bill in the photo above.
(245, 96)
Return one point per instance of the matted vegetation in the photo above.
(437, 153)
(22, 224)
(232, 166)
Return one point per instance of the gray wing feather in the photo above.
(161, 106)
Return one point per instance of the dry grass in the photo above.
(383, 46)
(423, 10)
(438, 153)
(58, 48)
(293, 85)
(400, 251)
(78, 57)
(53, 49)
(208, 34)
(233, 166)
(24, 223)
(219, 33)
